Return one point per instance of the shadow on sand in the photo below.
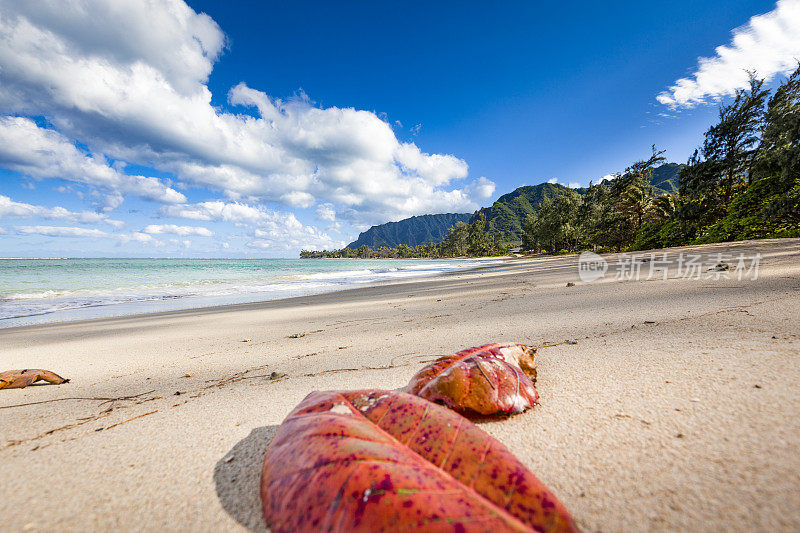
(238, 480)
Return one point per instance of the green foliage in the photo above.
(779, 154)
(477, 240)
(660, 234)
(723, 166)
(615, 211)
(555, 225)
(456, 241)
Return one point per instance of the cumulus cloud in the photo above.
(552, 180)
(326, 212)
(71, 231)
(218, 210)
(11, 209)
(273, 229)
(574, 185)
(44, 153)
(483, 187)
(768, 44)
(287, 238)
(128, 80)
(289, 233)
(162, 229)
(194, 40)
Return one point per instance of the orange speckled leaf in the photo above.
(486, 380)
(389, 461)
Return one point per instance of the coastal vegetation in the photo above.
(743, 182)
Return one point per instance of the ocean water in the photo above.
(34, 291)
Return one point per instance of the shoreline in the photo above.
(675, 403)
(137, 307)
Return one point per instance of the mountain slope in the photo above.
(410, 231)
(665, 177)
(506, 217)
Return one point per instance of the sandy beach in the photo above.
(675, 405)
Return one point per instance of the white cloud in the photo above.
(162, 229)
(136, 237)
(609, 177)
(44, 153)
(67, 231)
(289, 233)
(298, 199)
(92, 28)
(768, 44)
(273, 229)
(326, 212)
(218, 210)
(60, 231)
(484, 188)
(9, 208)
(128, 80)
(552, 180)
(574, 185)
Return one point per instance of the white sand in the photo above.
(604, 438)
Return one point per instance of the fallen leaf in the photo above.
(19, 379)
(388, 461)
(486, 380)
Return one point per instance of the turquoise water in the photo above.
(52, 290)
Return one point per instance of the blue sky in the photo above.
(256, 129)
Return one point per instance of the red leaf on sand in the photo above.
(485, 381)
(389, 461)
(19, 379)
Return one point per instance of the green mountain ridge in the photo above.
(412, 231)
(665, 177)
(505, 218)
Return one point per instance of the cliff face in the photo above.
(410, 231)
